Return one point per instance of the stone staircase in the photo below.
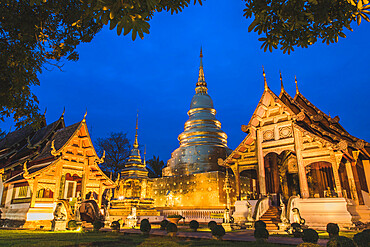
(271, 218)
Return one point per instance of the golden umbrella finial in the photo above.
(296, 85)
(281, 82)
(136, 144)
(264, 77)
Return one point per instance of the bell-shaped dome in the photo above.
(201, 101)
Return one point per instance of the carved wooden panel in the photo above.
(285, 132)
(268, 135)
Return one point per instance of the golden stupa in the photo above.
(192, 178)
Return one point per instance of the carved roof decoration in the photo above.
(308, 118)
(52, 145)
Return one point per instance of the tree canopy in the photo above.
(117, 150)
(287, 24)
(38, 34)
(155, 167)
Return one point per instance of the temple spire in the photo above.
(201, 86)
(136, 144)
(296, 85)
(264, 78)
(144, 154)
(281, 82)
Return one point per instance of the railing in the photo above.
(262, 206)
(202, 215)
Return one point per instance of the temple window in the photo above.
(45, 193)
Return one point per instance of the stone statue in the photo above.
(249, 216)
(58, 214)
(283, 217)
(297, 217)
(131, 220)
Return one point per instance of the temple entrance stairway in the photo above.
(271, 218)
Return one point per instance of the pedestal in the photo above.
(58, 225)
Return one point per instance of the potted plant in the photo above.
(218, 232)
(115, 226)
(171, 229)
(297, 230)
(97, 225)
(194, 225)
(72, 225)
(163, 224)
(260, 233)
(145, 227)
(174, 218)
(212, 224)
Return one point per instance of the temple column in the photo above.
(261, 165)
(58, 177)
(298, 143)
(366, 164)
(84, 178)
(237, 180)
(34, 192)
(100, 196)
(351, 182)
(357, 183)
(9, 195)
(336, 158)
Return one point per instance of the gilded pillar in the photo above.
(237, 180)
(34, 192)
(366, 164)
(58, 176)
(351, 182)
(357, 183)
(261, 165)
(9, 195)
(336, 158)
(298, 143)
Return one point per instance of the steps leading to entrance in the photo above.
(271, 218)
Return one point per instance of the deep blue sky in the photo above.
(116, 76)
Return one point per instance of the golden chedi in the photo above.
(133, 189)
(192, 178)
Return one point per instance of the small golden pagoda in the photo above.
(133, 188)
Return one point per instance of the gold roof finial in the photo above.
(25, 170)
(201, 86)
(45, 111)
(136, 144)
(144, 154)
(296, 85)
(264, 77)
(84, 120)
(64, 111)
(281, 81)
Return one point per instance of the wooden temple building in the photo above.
(296, 152)
(43, 167)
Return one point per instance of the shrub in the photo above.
(194, 225)
(97, 225)
(362, 239)
(212, 224)
(310, 236)
(332, 229)
(115, 225)
(171, 227)
(72, 225)
(297, 230)
(340, 241)
(261, 233)
(259, 224)
(145, 226)
(164, 224)
(218, 231)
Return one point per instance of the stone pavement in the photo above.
(246, 235)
